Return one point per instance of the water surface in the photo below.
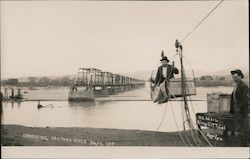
(109, 112)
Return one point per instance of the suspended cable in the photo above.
(203, 136)
(179, 129)
(196, 126)
(194, 136)
(177, 126)
(202, 21)
(164, 114)
(168, 99)
(193, 122)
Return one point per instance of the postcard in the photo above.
(124, 79)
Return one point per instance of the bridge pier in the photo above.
(122, 89)
(103, 92)
(112, 91)
(12, 93)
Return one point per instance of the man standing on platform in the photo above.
(239, 106)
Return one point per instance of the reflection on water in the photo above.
(78, 103)
(143, 115)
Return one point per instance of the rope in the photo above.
(196, 126)
(209, 143)
(194, 137)
(178, 127)
(190, 66)
(189, 120)
(164, 114)
(185, 135)
(202, 21)
(193, 134)
(168, 98)
(198, 138)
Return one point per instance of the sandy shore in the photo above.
(15, 135)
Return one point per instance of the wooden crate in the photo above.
(224, 102)
(218, 103)
(213, 103)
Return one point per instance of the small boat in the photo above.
(39, 106)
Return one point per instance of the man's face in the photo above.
(164, 62)
(236, 77)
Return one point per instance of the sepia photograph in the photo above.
(125, 79)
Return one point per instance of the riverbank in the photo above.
(16, 135)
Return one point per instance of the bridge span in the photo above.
(90, 83)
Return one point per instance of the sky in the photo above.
(54, 38)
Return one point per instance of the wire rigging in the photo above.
(185, 109)
(195, 138)
(163, 117)
(201, 21)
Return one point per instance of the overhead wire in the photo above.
(197, 25)
(189, 120)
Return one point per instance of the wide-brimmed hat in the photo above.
(238, 72)
(164, 58)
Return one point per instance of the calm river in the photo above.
(109, 112)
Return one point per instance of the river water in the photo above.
(128, 110)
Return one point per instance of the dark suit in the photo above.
(241, 96)
(1, 100)
(171, 70)
(239, 107)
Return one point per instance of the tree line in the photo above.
(66, 81)
(41, 82)
(214, 81)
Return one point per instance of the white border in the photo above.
(28, 152)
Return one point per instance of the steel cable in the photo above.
(197, 25)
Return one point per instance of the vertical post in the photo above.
(19, 92)
(83, 80)
(183, 84)
(19, 95)
(12, 92)
(6, 95)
